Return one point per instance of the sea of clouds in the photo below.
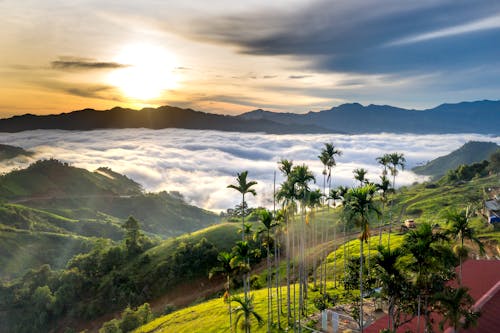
(200, 164)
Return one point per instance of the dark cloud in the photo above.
(85, 65)
(364, 36)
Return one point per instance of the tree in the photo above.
(431, 261)
(455, 305)
(267, 220)
(301, 176)
(243, 186)
(384, 188)
(327, 158)
(384, 161)
(396, 160)
(360, 175)
(360, 207)
(132, 235)
(459, 229)
(225, 268)
(395, 285)
(245, 311)
(241, 263)
(286, 195)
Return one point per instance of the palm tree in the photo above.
(430, 256)
(396, 160)
(243, 186)
(384, 161)
(267, 220)
(360, 175)
(360, 206)
(301, 176)
(241, 263)
(334, 195)
(393, 282)
(327, 157)
(459, 229)
(455, 305)
(225, 269)
(384, 188)
(286, 195)
(245, 311)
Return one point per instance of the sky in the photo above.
(201, 169)
(235, 56)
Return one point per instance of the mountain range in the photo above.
(353, 118)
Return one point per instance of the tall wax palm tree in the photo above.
(460, 229)
(267, 220)
(334, 195)
(241, 263)
(243, 186)
(384, 160)
(246, 311)
(360, 176)
(286, 195)
(360, 207)
(301, 176)
(384, 188)
(225, 268)
(396, 160)
(327, 157)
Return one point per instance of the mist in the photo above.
(200, 164)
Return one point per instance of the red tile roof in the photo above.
(481, 277)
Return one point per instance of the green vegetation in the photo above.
(108, 276)
(9, 152)
(469, 153)
(111, 276)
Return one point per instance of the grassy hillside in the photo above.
(98, 198)
(46, 178)
(22, 250)
(423, 202)
(105, 279)
(471, 152)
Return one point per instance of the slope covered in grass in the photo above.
(23, 250)
(471, 152)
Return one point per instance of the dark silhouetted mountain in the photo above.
(354, 118)
(162, 117)
(465, 117)
(471, 152)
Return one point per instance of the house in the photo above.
(482, 277)
(492, 210)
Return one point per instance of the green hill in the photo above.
(9, 152)
(22, 250)
(50, 186)
(108, 278)
(471, 152)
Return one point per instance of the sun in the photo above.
(148, 71)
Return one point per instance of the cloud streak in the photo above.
(200, 164)
(79, 65)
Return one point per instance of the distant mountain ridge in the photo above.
(470, 152)
(466, 117)
(353, 118)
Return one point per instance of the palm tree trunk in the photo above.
(361, 285)
(229, 305)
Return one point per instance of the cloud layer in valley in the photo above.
(200, 164)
